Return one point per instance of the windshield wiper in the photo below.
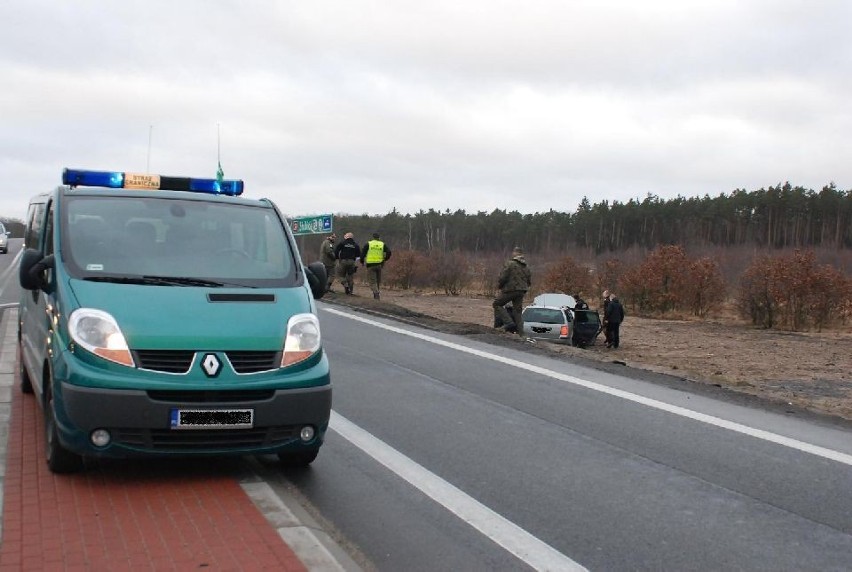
(161, 281)
(181, 281)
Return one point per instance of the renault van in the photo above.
(169, 316)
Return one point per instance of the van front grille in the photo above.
(179, 361)
(253, 362)
(167, 361)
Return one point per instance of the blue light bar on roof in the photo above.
(144, 181)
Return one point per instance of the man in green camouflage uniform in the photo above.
(513, 283)
(328, 259)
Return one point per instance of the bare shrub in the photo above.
(792, 292)
(486, 272)
(608, 275)
(829, 291)
(449, 271)
(756, 299)
(657, 285)
(404, 269)
(704, 287)
(568, 277)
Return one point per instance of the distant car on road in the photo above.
(552, 317)
(4, 239)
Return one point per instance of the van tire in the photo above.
(300, 459)
(26, 382)
(59, 459)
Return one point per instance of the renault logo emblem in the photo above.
(211, 365)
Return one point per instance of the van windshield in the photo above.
(115, 237)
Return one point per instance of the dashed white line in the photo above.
(526, 547)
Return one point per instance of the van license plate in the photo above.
(211, 418)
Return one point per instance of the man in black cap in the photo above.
(346, 253)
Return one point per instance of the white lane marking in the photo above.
(526, 547)
(675, 409)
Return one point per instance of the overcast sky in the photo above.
(352, 106)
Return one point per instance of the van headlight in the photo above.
(98, 332)
(303, 339)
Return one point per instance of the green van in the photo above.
(169, 316)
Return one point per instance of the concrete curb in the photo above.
(8, 355)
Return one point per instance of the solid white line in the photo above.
(526, 547)
(677, 410)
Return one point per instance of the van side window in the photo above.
(32, 238)
(48, 231)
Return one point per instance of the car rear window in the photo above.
(544, 315)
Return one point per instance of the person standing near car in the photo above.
(614, 316)
(605, 297)
(374, 255)
(347, 253)
(514, 281)
(328, 259)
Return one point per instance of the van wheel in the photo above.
(300, 459)
(59, 459)
(26, 382)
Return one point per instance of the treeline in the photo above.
(788, 290)
(780, 217)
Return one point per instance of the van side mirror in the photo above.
(317, 278)
(32, 267)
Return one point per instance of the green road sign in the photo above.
(311, 224)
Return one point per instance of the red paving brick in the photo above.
(128, 515)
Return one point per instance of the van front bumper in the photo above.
(139, 421)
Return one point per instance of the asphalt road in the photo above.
(9, 289)
(447, 453)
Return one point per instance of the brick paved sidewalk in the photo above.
(129, 515)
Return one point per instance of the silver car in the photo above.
(4, 239)
(553, 318)
(549, 318)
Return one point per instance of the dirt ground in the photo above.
(798, 372)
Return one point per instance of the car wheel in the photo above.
(26, 382)
(300, 459)
(59, 459)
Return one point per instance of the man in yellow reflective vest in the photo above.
(373, 256)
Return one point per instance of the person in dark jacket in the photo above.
(614, 317)
(579, 303)
(605, 297)
(514, 281)
(347, 252)
(374, 255)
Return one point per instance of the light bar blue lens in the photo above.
(115, 180)
(212, 186)
(77, 177)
